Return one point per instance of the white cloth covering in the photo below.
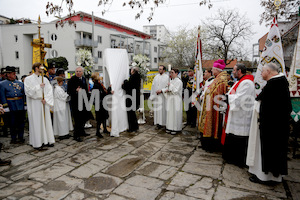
(62, 121)
(160, 81)
(240, 108)
(254, 149)
(116, 70)
(174, 105)
(40, 125)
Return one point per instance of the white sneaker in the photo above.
(173, 133)
(88, 125)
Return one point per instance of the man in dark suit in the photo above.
(131, 85)
(75, 85)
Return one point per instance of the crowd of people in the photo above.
(227, 114)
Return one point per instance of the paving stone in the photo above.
(115, 197)
(21, 159)
(75, 195)
(58, 189)
(180, 148)
(136, 192)
(294, 189)
(239, 178)
(6, 155)
(20, 189)
(139, 140)
(76, 147)
(117, 153)
(205, 158)
(175, 196)
(30, 198)
(50, 150)
(183, 179)
(229, 193)
(83, 157)
(20, 149)
(89, 169)
(162, 138)
(125, 166)
(202, 189)
(146, 182)
(168, 158)
(203, 169)
(111, 143)
(148, 149)
(293, 175)
(36, 165)
(185, 139)
(100, 184)
(59, 145)
(51, 173)
(156, 170)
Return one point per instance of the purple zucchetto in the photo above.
(219, 64)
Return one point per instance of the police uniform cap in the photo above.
(10, 69)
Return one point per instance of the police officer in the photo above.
(12, 97)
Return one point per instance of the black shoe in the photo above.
(50, 145)
(106, 131)
(85, 134)
(4, 162)
(99, 135)
(13, 142)
(21, 141)
(40, 148)
(78, 139)
(254, 179)
(193, 126)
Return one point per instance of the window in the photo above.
(99, 39)
(53, 37)
(155, 60)
(54, 53)
(99, 54)
(17, 54)
(155, 49)
(16, 38)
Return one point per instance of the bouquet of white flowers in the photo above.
(84, 58)
(142, 62)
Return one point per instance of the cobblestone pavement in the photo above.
(146, 165)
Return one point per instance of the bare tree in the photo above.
(287, 9)
(181, 47)
(226, 33)
(56, 10)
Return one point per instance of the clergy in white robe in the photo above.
(38, 109)
(241, 97)
(173, 94)
(160, 81)
(62, 121)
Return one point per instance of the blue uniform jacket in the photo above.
(12, 95)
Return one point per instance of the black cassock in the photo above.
(129, 86)
(274, 128)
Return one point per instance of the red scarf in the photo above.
(246, 77)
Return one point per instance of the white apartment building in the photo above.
(16, 49)
(158, 32)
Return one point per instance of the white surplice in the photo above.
(160, 81)
(240, 108)
(174, 105)
(40, 125)
(254, 149)
(62, 121)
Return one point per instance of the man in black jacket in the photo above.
(132, 88)
(274, 115)
(75, 85)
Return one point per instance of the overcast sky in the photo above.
(173, 14)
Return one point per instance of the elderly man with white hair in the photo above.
(76, 84)
(268, 141)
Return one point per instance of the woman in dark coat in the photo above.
(101, 113)
(131, 85)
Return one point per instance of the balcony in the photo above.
(85, 43)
